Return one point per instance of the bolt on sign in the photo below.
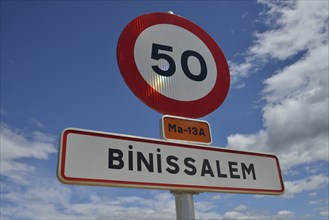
(185, 129)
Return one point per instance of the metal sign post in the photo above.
(184, 205)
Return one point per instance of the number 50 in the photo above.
(157, 55)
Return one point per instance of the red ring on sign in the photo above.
(151, 97)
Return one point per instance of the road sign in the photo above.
(107, 159)
(185, 129)
(173, 65)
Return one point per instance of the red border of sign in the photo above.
(152, 98)
(105, 182)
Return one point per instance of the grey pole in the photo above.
(184, 205)
(183, 200)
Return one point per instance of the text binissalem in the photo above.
(156, 162)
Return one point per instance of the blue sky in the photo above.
(59, 70)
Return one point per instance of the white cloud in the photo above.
(234, 215)
(161, 206)
(304, 185)
(207, 214)
(238, 71)
(216, 197)
(295, 114)
(298, 25)
(241, 207)
(46, 198)
(16, 145)
(295, 26)
(39, 198)
(285, 214)
(319, 201)
(321, 206)
(324, 213)
(313, 194)
(204, 206)
(314, 168)
(245, 214)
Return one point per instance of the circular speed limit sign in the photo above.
(173, 65)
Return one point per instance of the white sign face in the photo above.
(97, 158)
(171, 42)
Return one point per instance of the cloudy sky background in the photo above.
(58, 70)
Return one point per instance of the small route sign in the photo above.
(185, 129)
